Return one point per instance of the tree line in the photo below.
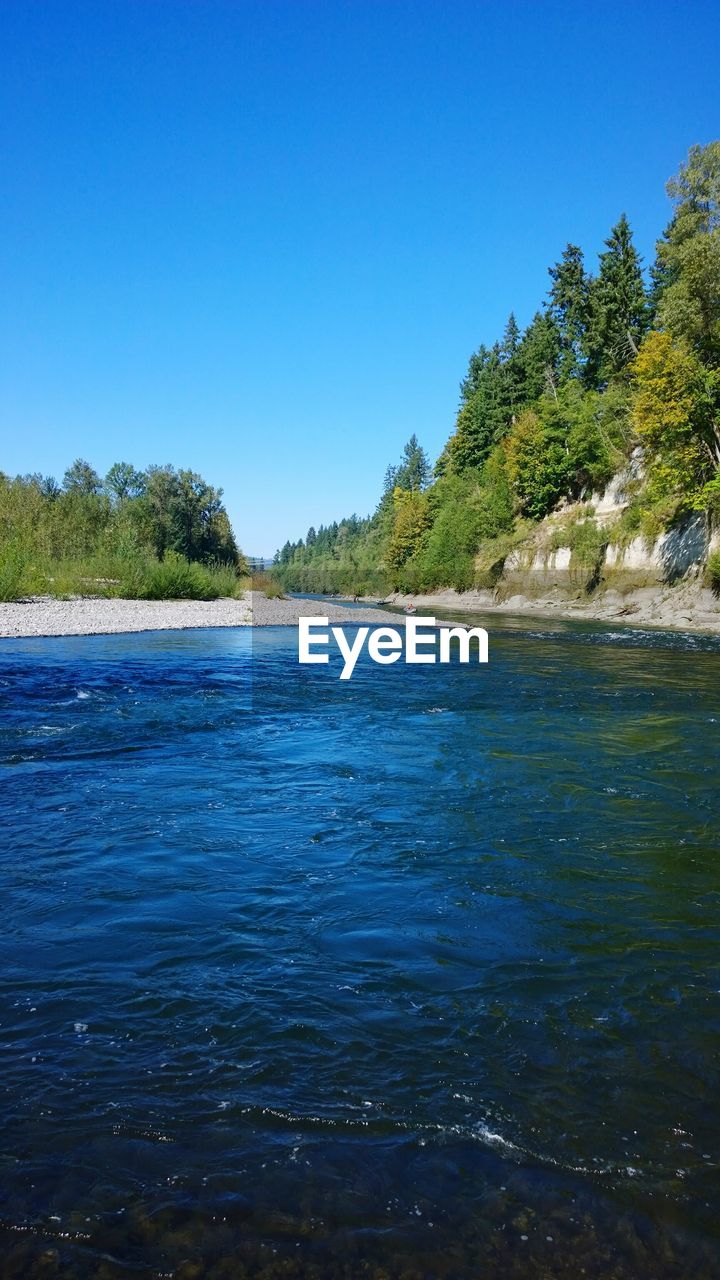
(611, 361)
(117, 530)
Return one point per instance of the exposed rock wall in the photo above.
(540, 565)
(679, 553)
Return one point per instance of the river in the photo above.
(414, 975)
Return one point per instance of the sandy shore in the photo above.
(87, 616)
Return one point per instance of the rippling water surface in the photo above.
(411, 976)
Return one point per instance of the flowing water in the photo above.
(414, 975)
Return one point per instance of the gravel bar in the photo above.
(91, 615)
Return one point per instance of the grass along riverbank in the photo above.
(139, 578)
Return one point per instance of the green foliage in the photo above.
(708, 497)
(687, 273)
(182, 513)
(269, 585)
(411, 520)
(586, 539)
(140, 579)
(552, 413)
(90, 538)
(447, 556)
(82, 479)
(344, 558)
(175, 578)
(123, 481)
(713, 570)
(12, 573)
(538, 356)
(594, 430)
(537, 462)
(675, 417)
(570, 308)
(627, 526)
(413, 472)
(485, 410)
(618, 314)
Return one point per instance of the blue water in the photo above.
(414, 975)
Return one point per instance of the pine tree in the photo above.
(484, 414)
(512, 392)
(476, 367)
(511, 338)
(414, 471)
(569, 308)
(538, 356)
(618, 317)
(662, 276)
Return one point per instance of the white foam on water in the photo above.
(493, 1139)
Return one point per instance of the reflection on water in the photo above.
(414, 975)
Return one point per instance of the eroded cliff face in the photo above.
(582, 562)
(607, 559)
(680, 554)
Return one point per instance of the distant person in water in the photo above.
(410, 607)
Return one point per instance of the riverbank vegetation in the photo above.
(154, 535)
(614, 364)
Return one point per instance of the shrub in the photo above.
(269, 586)
(713, 570)
(12, 571)
(627, 526)
(586, 539)
(175, 578)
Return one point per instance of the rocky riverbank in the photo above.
(686, 607)
(90, 615)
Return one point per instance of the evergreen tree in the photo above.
(476, 367)
(618, 314)
(511, 338)
(414, 471)
(512, 370)
(569, 308)
(411, 519)
(538, 356)
(490, 395)
(662, 274)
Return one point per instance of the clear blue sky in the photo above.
(261, 239)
